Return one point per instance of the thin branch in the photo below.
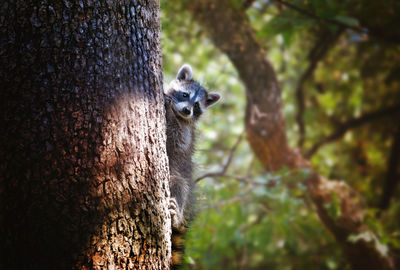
(226, 165)
(392, 178)
(249, 172)
(247, 4)
(318, 52)
(314, 16)
(342, 128)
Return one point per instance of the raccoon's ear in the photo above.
(212, 98)
(185, 73)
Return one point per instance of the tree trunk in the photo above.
(84, 170)
(229, 28)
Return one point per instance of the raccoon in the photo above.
(185, 101)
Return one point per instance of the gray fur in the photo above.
(185, 101)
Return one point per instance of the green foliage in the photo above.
(350, 21)
(333, 207)
(257, 226)
(258, 220)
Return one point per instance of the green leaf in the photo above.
(288, 37)
(350, 21)
(276, 26)
(333, 207)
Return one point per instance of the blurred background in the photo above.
(338, 67)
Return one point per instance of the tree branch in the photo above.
(226, 165)
(321, 47)
(342, 128)
(314, 16)
(247, 4)
(392, 178)
(231, 32)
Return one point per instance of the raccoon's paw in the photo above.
(176, 215)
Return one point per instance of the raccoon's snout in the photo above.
(183, 110)
(186, 110)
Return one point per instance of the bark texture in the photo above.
(84, 170)
(229, 28)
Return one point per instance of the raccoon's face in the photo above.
(189, 100)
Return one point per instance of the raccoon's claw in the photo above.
(176, 216)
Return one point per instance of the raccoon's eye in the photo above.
(185, 95)
(196, 106)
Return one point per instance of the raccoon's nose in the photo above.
(186, 110)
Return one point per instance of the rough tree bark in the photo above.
(229, 28)
(84, 170)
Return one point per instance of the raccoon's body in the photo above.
(185, 101)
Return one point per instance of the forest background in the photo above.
(338, 68)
